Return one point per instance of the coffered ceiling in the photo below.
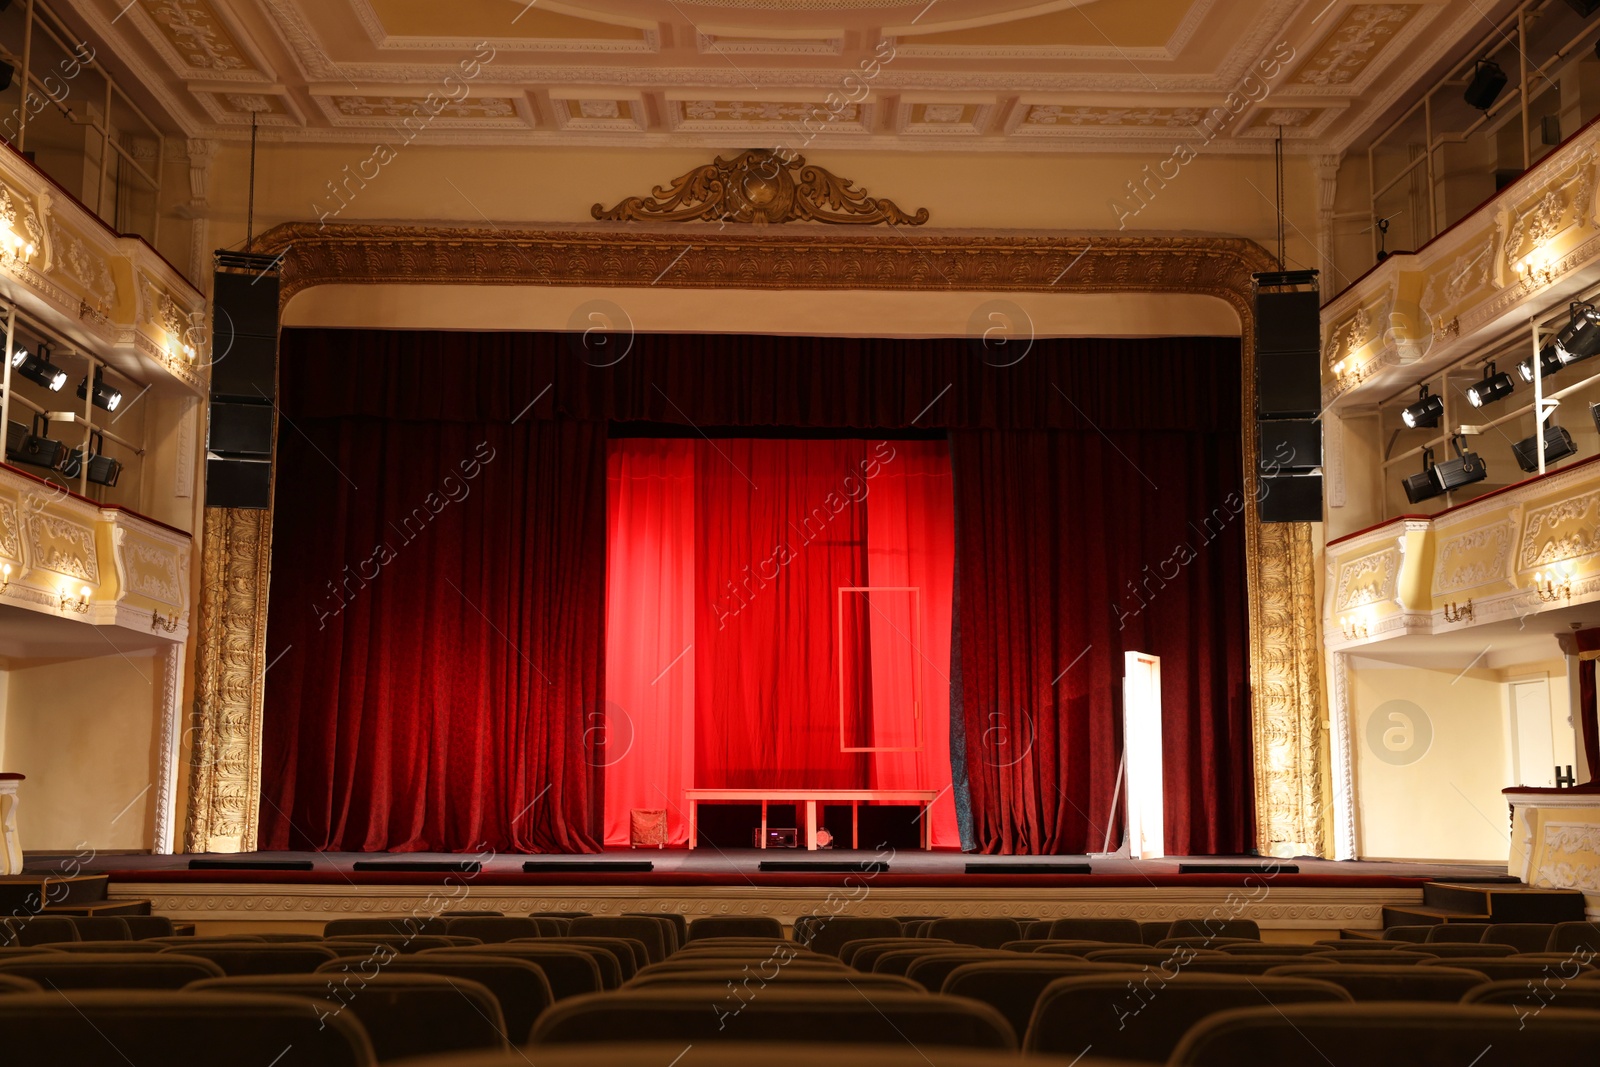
(1002, 75)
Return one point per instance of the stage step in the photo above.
(1487, 902)
(25, 894)
(104, 907)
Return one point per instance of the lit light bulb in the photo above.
(84, 592)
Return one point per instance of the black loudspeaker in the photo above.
(240, 429)
(238, 483)
(1487, 81)
(244, 335)
(893, 825)
(1291, 498)
(1288, 355)
(1289, 444)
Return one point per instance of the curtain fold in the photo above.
(438, 618)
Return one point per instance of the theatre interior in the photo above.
(915, 533)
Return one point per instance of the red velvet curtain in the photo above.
(435, 632)
(1588, 717)
(451, 696)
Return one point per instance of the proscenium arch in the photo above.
(897, 268)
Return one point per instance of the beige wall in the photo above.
(84, 732)
(1447, 804)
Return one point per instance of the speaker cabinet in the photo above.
(244, 335)
(240, 430)
(1288, 355)
(238, 483)
(1289, 444)
(1291, 498)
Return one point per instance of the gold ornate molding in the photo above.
(760, 186)
(1285, 682)
(225, 783)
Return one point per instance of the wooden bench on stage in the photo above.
(810, 797)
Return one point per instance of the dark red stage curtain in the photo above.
(437, 634)
(1072, 548)
(1588, 718)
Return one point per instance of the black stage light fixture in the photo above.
(103, 470)
(1584, 8)
(104, 396)
(1579, 338)
(1493, 387)
(1549, 363)
(1425, 412)
(1557, 445)
(1465, 469)
(38, 369)
(7, 71)
(1420, 487)
(1487, 81)
(32, 446)
(1594, 413)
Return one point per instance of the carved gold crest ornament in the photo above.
(760, 186)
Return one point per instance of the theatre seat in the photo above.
(261, 958)
(930, 971)
(519, 986)
(1536, 996)
(38, 930)
(735, 926)
(1379, 957)
(141, 927)
(1204, 942)
(864, 954)
(1264, 948)
(1457, 933)
(1153, 933)
(1120, 931)
(13, 983)
(96, 1029)
(1526, 968)
(747, 979)
(405, 1015)
(674, 927)
(1572, 937)
(494, 929)
(106, 970)
(1223, 963)
(629, 951)
(1122, 1018)
(984, 933)
(1363, 983)
(644, 928)
(407, 925)
(570, 970)
(1445, 950)
(781, 1016)
(141, 947)
(832, 933)
(404, 944)
(1523, 937)
(1170, 959)
(724, 1053)
(102, 928)
(1012, 987)
(1390, 1035)
(1419, 934)
(604, 958)
(1244, 929)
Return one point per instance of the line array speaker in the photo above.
(1288, 381)
(244, 381)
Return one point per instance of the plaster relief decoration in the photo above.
(151, 570)
(10, 532)
(1348, 337)
(407, 106)
(760, 186)
(1368, 579)
(29, 229)
(192, 30)
(1184, 118)
(1473, 558)
(791, 118)
(1571, 857)
(1352, 46)
(90, 270)
(61, 545)
(1564, 530)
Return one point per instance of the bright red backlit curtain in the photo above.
(726, 562)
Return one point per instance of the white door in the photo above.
(1533, 757)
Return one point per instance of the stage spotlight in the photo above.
(1425, 412)
(1584, 8)
(1549, 363)
(1487, 81)
(1465, 469)
(104, 396)
(7, 71)
(1557, 445)
(1493, 387)
(103, 470)
(38, 369)
(32, 447)
(1420, 487)
(1580, 338)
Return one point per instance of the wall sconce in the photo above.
(1553, 585)
(1454, 612)
(79, 603)
(5, 577)
(14, 251)
(158, 621)
(1355, 627)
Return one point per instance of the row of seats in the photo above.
(387, 989)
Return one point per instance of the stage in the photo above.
(1290, 899)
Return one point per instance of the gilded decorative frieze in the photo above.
(1369, 579)
(59, 544)
(1562, 531)
(1473, 558)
